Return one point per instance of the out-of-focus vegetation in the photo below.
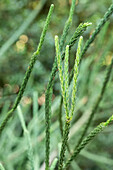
(20, 29)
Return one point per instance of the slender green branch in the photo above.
(47, 119)
(59, 63)
(53, 73)
(80, 30)
(65, 100)
(97, 103)
(28, 72)
(50, 83)
(64, 144)
(93, 133)
(64, 91)
(60, 117)
(66, 74)
(76, 67)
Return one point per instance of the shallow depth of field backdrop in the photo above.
(20, 30)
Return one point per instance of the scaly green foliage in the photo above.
(67, 25)
(76, 66)
(80, 30)
(66, 74)
(65, 90)
(63, 83)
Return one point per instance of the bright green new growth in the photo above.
(76, 66)
(65, 89)
(78, 32)
(66, 74)
(1, 167)
(28, 72)
(93, 133)
(64, 80)
(28, 139)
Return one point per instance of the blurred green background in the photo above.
(20, 30)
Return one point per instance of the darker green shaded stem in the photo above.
(64, 145)
(47, 119)
(60, 117)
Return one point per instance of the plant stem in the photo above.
(60, 117)
(65, 99)
(67, 25)
(76, 68)
(64, 144)
(47, 119)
